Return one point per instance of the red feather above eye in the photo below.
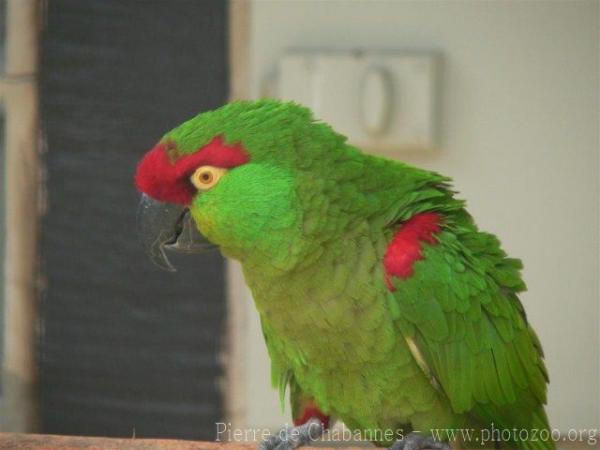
(405, 248)
(163, 174)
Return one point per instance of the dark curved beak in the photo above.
(167, 226)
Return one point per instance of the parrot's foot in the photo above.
(416, 441)
(289, 438)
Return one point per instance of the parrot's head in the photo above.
(242, 177)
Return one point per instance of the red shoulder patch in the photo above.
(405, 248)
(164, 174)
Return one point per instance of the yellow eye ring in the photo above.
(205, 177)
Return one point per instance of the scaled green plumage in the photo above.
(310, 218)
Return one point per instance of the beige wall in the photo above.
(19, 172)
(520, 137)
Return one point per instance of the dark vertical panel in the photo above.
(125, 347)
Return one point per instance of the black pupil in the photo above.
(206, 176)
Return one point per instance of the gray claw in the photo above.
(416, 441)
(289, 438)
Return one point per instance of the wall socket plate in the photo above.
(383, 101)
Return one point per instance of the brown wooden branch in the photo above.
(17, 441)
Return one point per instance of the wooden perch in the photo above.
(18, 441)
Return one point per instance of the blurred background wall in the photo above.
(19, 213)
(519, 133)
(96, 341)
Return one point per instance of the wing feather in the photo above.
(461, 312)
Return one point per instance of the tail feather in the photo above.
(540, 433)
(527, 429)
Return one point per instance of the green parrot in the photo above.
(381, 302)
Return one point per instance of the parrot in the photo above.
(381, 302)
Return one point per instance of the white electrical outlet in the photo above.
(383, 101)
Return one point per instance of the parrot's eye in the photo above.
(206, 177)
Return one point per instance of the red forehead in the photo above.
(163, 174)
